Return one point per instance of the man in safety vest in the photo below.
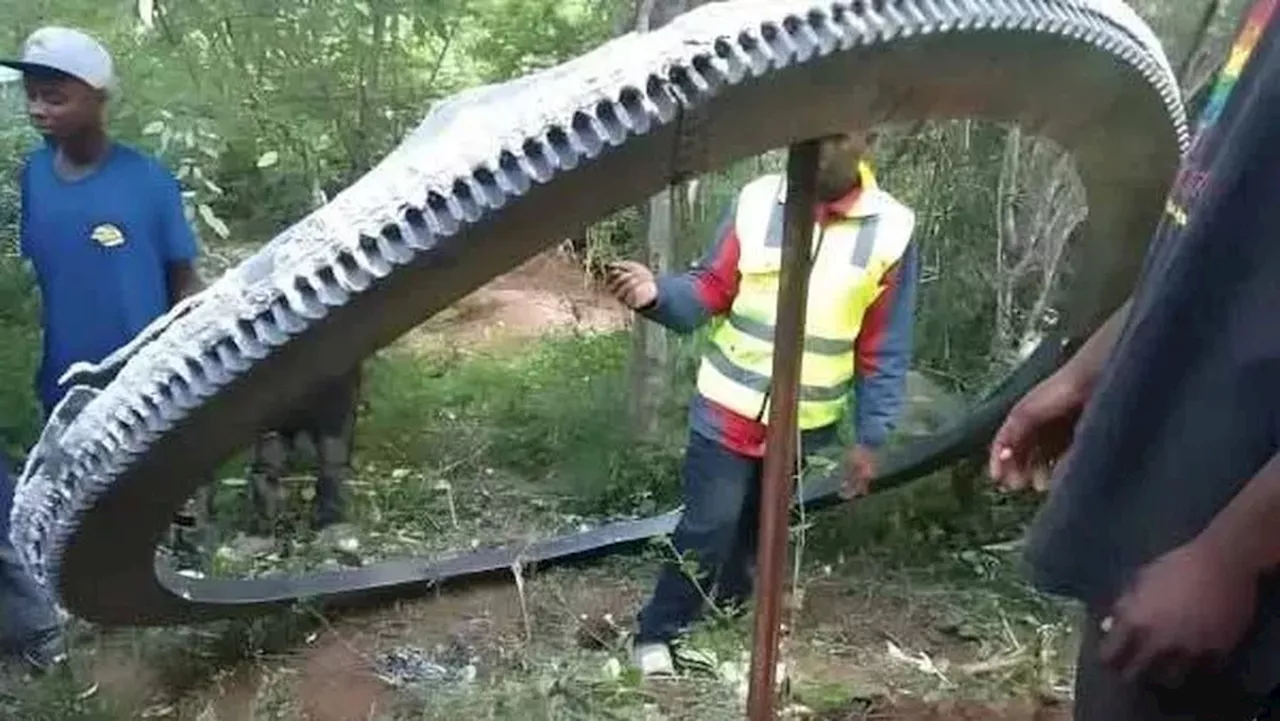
(857, 348)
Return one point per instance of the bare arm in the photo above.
(1086, 365)
(183, 281)
(178, 244)
(1246, 529)
(1039, 428)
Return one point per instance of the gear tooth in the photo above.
(418, 234)
(251, 347)
(510, 176)
(304, 300)
(266, 329)
(354, 273)
(439, 215)
(329, 290)
(230, 358)
(393, 245)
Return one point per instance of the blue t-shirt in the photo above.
(100, 246)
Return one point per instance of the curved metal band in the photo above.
(495, 174)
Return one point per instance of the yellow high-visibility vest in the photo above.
(853, 254)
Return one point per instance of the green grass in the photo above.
(552, 414)
(19, 356)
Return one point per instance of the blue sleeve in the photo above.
(177, 239)
(879, 388)
(677, 307)
(687, 300)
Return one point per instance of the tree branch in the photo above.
(1198, 41)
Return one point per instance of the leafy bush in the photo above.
(19, 354)
(19, 308)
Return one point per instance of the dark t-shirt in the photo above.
(1188, 408)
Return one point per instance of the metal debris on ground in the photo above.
(409, 667)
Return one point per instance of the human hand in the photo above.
(859, 468)
(633, 284)
(1036, 433)
(1189, 607)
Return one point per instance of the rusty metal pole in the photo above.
(780, 448)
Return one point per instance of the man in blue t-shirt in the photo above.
(102, 224)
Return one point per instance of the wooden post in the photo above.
(780, 449)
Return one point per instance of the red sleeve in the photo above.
(716, 282)
(875, 325)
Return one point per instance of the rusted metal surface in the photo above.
(778, 476)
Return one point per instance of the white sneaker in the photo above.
(653, 659)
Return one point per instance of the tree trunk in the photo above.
(1033, 239)
(1006, 240)
(652, 352)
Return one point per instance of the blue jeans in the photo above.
(27, 616)
(717, 531)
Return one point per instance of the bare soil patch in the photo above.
(836, 652)
(484, 626)
(550, 293)
(336, 683)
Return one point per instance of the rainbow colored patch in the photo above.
(1254, 25)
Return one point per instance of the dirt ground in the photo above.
(547, 294)
(952, 711)
(332, 678)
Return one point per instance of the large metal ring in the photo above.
(495, 174)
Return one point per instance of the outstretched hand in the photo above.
(860, 467)
(633, 284)
(1036, 434)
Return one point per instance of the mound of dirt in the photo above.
(549, 293)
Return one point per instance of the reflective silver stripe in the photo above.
(760, 383)
(773, 233)
(812, 343)
(865, 243)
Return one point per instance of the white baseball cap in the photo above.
(67, 51)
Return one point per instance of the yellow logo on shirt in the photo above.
(108, 235)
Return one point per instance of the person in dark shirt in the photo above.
(1162, 432)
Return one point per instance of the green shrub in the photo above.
(554, 414)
